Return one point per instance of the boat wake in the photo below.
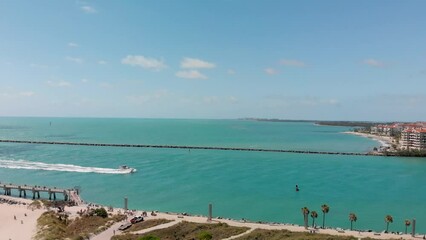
(22, 164)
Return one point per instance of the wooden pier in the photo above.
(68, 194)
(189, 147)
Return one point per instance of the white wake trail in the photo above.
(23, 164)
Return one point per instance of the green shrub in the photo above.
(101, 212)
(204, 236)
(149, 237)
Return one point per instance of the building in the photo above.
(413, 139)
(389, 130)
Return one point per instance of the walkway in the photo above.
(107, 234)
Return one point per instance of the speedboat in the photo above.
(126, 169)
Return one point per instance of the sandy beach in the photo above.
(383, 140)
(15, 229)
(17, 221)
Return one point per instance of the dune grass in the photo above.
(261, 234)
(188, 230)
(146, 224)
(52, 225)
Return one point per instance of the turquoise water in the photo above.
(251, 185)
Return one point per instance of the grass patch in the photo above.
(261, 234)
(188, 230)
(36, 204)
(52, 225)
(146, 224)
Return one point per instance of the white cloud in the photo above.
(15, 95)
(88, 9)
(373, 62)
(301, 101)
(210, 99)
(270, 71)
(144, 62)
(231, 71)
(60, 83)
(72, 44)
(292, 63)
(102, 62)
(195, 63)
(74, 59)
(150, 97)
(233, 99)
(190, 74)
(27, 94)
(106, 85)
(84, 80)
(39, 66)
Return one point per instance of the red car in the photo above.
(136, 219)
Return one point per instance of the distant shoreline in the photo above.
(317, 122)
(383, 140)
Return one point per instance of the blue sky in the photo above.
(326, 60)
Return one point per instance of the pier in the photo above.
(70, 195)
(189, 147)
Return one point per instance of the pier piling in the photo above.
(69, 194)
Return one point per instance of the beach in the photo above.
(17, 220)
(15, 229)
(384, 141)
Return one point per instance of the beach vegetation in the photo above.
(305, 212)
(408, 153)
(314, 215)
(407, 224)
(149, 237)
(325, 209)
(388, 219)
(146, 224)
(204, 235)
(52, 225)
(188, 230)
(36, 204)
(263, 234)
(352, 218)
(100, 212)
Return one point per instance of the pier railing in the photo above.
(68, 194)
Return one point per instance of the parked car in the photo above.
(136, 219)
(124, 226)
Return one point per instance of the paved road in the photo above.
(107, 234)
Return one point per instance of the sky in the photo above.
(223, 59)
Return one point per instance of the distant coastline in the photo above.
(317, 122)
(383, 140)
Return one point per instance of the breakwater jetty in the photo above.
(187, 147)
(71, 195)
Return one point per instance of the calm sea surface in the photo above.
(251, 185)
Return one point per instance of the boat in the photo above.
(127, 169)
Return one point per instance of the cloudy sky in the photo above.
(329, 60)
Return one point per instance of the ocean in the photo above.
(258, 186)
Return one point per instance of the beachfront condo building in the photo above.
(413, 139)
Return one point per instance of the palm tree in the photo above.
(314, 215)
(352, 218)
(407, 224)
(325, 208)
(388, 219)
(305, 212)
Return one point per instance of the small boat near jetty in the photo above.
(126, 169)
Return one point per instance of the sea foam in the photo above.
(23, 164)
